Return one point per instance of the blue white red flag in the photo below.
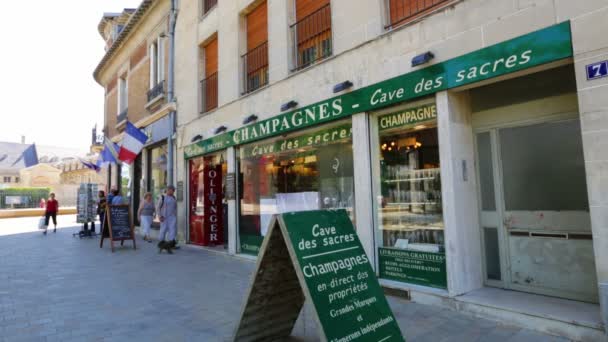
(132, 143)
(108, 154)
(90, 165)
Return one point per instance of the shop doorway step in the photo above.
(577, 321)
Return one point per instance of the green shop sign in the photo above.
(408, 117)
(536, 48)
(316, 255)
(322, 137)
(421, 268)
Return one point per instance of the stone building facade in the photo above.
(465, 138)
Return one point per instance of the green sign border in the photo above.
(437, 280)
(530, 50)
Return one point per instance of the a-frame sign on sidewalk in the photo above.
(315, 255)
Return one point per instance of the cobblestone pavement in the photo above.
(61, 288)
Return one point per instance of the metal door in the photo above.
(536, 229)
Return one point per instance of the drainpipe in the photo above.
(170, 92)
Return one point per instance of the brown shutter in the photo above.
(307, 7)
(402, 11)
(257, 26)
(211, 58)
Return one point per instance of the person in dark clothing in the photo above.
(52, 207)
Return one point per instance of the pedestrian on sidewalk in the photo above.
(101, 208)
(116, 197)
(167, 212)
(52, 207)
(145, 213)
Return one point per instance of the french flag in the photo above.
(132, 143)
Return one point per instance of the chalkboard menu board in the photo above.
(118, 225)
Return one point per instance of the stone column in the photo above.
(591, 46)
(459, 188)
(232, 212)
(364, 210)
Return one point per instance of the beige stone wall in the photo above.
(111, 112)
(139, 84)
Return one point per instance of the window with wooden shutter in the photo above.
(403, 11)
(312, 32)
(255, 61)
(209, 83)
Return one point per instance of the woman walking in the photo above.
(52, 207)
(145, 214)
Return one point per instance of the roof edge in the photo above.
(136, 17)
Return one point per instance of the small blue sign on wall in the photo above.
(597, 70)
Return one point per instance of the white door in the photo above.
(536, 229)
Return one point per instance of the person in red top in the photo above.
(52, 206)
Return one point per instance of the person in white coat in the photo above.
(167, 213)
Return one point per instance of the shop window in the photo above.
(310, 171)
(409, 210)
(536, 161)
(208, 208)
(125, 182)
(157, 171)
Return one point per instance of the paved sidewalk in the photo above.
(60, 288)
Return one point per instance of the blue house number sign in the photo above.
(597, 70)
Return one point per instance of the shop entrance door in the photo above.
(536, 229)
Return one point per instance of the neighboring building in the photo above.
(41, 175)
(480, 167)
(134, 74)
(13, 158)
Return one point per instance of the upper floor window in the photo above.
(311, 32)
(255, 61)
(7, 179)
(402, 11)
(17, 179)
(208, 94)
(157, 62)
(207, 5)
(123, 98)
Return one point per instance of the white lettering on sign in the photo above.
(493, 67)
(379, 96)
(213, 200)
(409, 116)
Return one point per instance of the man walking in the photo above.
(167, 212)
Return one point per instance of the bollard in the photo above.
(603, 292)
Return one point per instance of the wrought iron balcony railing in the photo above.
(158, 90)
(255, 66)
(209, 93)
(122, 116)
(402, 11)
(208, 5)
(312, 38)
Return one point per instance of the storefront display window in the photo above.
(157, 161)
(208, 208)
(125, 182)
(308, 171)
(408, 190)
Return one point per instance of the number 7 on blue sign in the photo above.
(597, 70)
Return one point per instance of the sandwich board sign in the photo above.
(117, 225)
(315, 255)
